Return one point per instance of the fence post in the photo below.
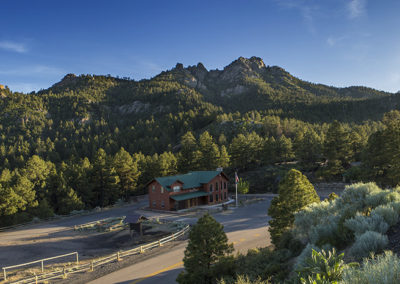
(91, 266)
(42, 266)
(118, 258)
(64, 273)
(141, 249)
(5, 274)
(36, 279)
(159, 243)
(77, 258)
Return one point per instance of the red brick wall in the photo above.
(222, 192)
(156, 197)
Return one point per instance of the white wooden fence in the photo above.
(41, 261)
(90, 266)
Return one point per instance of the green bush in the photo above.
(288, 241)
(361, 208)
(258, 264)
(245, 280)
(243, 186)
(367, 243)
(311, 216)
(295, 193)
(323, 266)
(361, 195)
(325, 233)
(360, 224)
(301, 260)
(43, 210)
(380, 269)
(353, 174)
(387, 212)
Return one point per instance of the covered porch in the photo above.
(190, 199)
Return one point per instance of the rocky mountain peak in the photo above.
(198, 71)
(68, 81)
(179, 66)
(243, 67)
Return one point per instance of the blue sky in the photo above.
(334, 42)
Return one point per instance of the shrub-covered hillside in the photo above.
(339, 240)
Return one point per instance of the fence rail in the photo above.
(41, 261)
(90, 266)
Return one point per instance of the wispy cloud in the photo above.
(332, 40)
(356, 8)
(33, 70)
(306, 10)
(13, 46)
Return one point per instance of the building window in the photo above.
(176, 188)
(162, 204)
(153, 188)
(221, 197)
(211, 188)
(216, 197)
(211, 198)
(154, 204)
(225, 185)
(225, 195)
(221, 185)
(216, 186)
(162, 190)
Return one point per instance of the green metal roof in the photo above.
(190, 180)
(186, 196)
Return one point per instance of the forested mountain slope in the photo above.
(247, 115)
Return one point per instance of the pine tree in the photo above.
(127, 170)
(209, 152)
(208, 243)
(268, 155)
(189, 155)
(254, 148)
(104, 180)
(39, 172)
(381, 158)
(224, 158)
(337, 149)
(239, 151)
(295, 192)
(309, 151)
(283, 148)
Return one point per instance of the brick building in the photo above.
(188, 190)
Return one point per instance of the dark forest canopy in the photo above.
(55, 143)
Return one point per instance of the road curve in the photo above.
(246, 228)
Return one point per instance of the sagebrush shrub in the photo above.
(387, 212)
(368, 242)
(326, 232)
(356, 195)
(380, 269)
(361, 210)
(396, 207)
(311, 216)
(360, 224)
